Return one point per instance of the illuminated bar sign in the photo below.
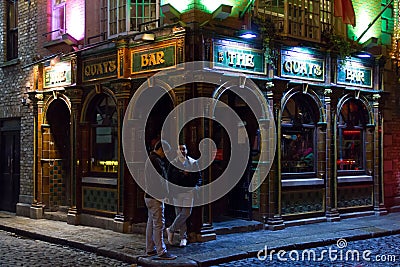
(302, 66)
(354, 73)
(57, 75)
(236, 56)
(99, 68)
(155, 58)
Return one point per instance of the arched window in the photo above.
(352, 119)
(104, 135)
(299, 119)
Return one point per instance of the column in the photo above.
(36, 209)
(377, 172)
(331, 101)
(274, 218)
(121, 223)
(75, 96)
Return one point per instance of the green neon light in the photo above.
(365, 14)
(208, 6)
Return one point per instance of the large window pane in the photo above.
(104, 136)
(58, 19)
(298, 135)
(132, 16)
(12, 29)
(351, 124)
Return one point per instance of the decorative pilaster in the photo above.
(274, 219)
(379, 203)
(122, 94)
(331, 102)
(75, 96)
(36, 209)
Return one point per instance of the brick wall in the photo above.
(14, 78)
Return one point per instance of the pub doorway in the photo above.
(238, 202)
(56, 155)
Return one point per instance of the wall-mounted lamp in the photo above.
(145, 37)
(25, 97)
(246, 34)
(170, 12)
(362, 54)
(222, 12)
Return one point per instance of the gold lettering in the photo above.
(160, 57)
(145, 61)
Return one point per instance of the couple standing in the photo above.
(182, 171)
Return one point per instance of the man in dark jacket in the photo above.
(183, 171)
(156, 184)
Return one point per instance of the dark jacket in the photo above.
(187, 175)
(154, 182)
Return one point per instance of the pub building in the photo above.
(326, 112)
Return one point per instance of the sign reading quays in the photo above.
(302, 66)
(146, 60)
(237, 57)
(99, 68)
(354, 73)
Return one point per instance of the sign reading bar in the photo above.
(57, 75)
(354, 73)
(161, 57)
(99, 68)
(237, 57)
(302, 66)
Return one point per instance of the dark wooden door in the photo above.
(9, 169)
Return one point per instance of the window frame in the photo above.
(343, 125)
(110, 170)
(120, 20)
(58, 26)
(12, 32)
(292, 126)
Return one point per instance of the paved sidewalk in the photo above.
(130, 247)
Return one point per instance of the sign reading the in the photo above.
(57, 75)
(161, 57)
(354, 73)
(302, 66)
(99, 68)
(237, 57)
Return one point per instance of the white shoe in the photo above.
(170, 236)
(183, 242)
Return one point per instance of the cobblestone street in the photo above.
(20, 251)
(383, 251)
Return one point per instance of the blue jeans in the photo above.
(155, 226)
(182, 213)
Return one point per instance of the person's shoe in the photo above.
(166, 256)
(183, 243)
(170, 236)
(151, 253)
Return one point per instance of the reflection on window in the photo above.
(104, 136)
(132, 16)
(298, 135)
(12, 29)
(58, 19)
(352, 119)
